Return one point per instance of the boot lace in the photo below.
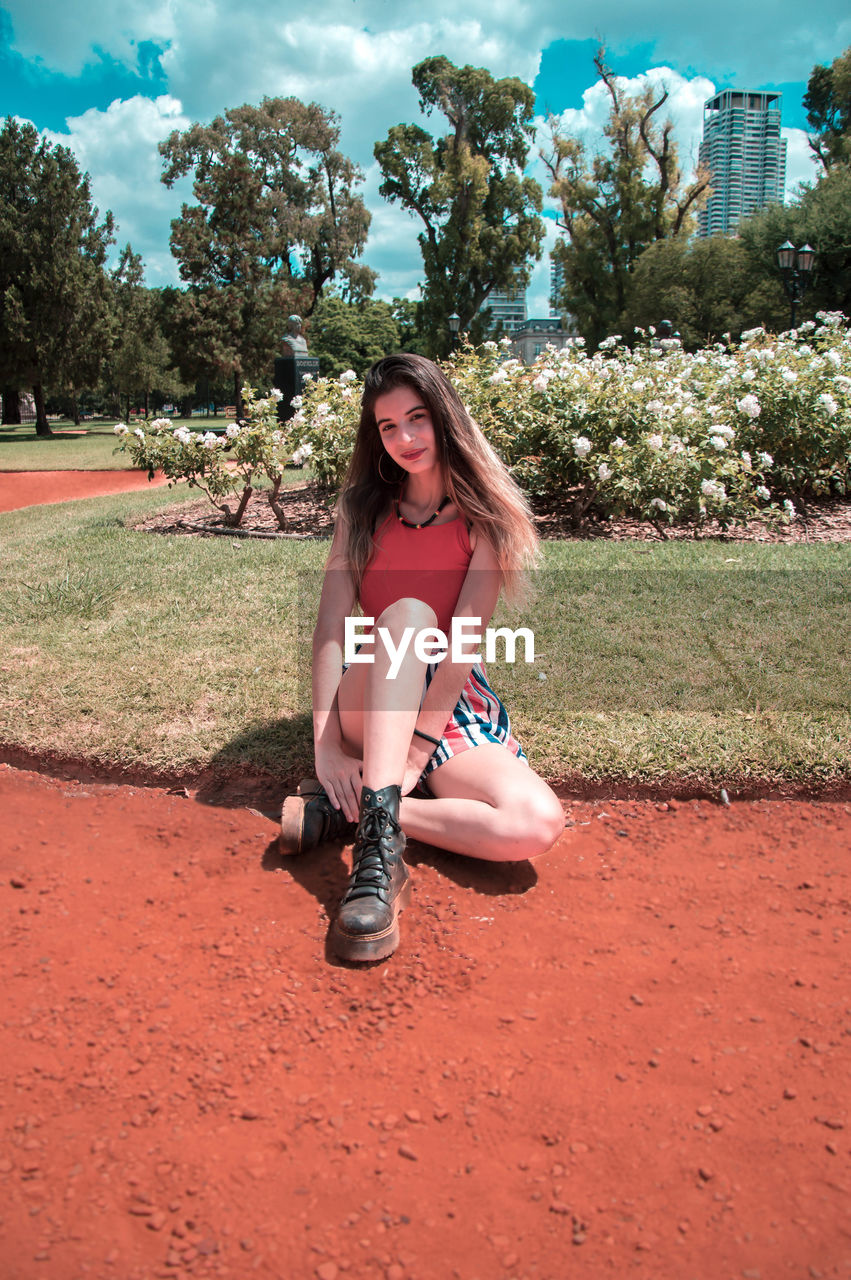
(371, 872)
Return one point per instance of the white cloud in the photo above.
(118, 148)
(801, 164)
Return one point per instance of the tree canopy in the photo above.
(479, 212)
(351, 335)
(616, 203)
(277, 218)
(54, 295)
(828, 104)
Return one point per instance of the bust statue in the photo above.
(294, 339)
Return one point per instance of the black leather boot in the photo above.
(367, 925)
(309, 819)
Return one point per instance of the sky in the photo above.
(111, 80)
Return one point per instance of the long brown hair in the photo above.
(476, 480)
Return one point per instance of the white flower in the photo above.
(232, 430)
(302, 453)
(160, 424)
(749, 405)
(749, 334)
(746, 458)
(581, 446)
(349, 376)
(722, 429)
(604, 471)
(765, 459)
(718, 442)
(297, 402)
(762, 492)
(827, 402)
(346, 393)
(540, 383)
(137, 431)
(654, 406)
(182, 436)
(619, 442)
(712, 489)
(805, 349)
(789, 375)
(748, 376)
(659, 503)
(505, 342)
(789, 509)
(843, 384)
(639, 385)
(676, 446)
(120, 429)
(276, 394)
(655, 441)
(498, 376)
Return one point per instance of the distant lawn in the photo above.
(712, 662)
(89, 447)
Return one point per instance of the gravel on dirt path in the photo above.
(628, 1058)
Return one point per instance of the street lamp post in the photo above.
(796, 267)
(454, 326)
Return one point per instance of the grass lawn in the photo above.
(714, 662)
(90, 447)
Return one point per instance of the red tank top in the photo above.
(429, 564)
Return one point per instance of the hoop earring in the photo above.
(381, 473)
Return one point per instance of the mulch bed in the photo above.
(309, 515)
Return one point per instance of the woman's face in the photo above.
(406, 430)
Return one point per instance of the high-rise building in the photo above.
(556, 286)
(507, 307)
(743, 150)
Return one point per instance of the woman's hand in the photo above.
(340, 775)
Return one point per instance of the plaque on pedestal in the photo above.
(289, 378)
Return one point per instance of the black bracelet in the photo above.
(427, 737)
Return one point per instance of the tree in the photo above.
(705, 287)
(828, 104)
(351, 335)
(616, 204)
(277, 217)
(140, 360)
(54, 295)
(479, 212)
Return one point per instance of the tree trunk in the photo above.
(237, 395)
(11, 406)
(76, 404)
(42, 426)
(127, 419)
(146, 403)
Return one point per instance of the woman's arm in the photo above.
(477, 599)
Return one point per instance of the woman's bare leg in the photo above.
(488, 805)
(379, 713)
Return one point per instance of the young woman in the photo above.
(430, 527)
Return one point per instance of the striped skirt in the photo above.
(479, 718)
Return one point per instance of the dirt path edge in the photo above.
(239, 786)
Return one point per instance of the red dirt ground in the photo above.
(632, 1058)
(35, 488)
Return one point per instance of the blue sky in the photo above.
(111, 81)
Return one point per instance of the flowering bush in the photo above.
(223, 463)
(655, 432)
(326, 423)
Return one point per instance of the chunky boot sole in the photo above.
(362, 947)
(292, 816)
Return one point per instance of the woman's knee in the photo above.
(534, 819)
(407, 612)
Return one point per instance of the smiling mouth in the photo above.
(413, 455)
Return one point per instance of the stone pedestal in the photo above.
(289, 378)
